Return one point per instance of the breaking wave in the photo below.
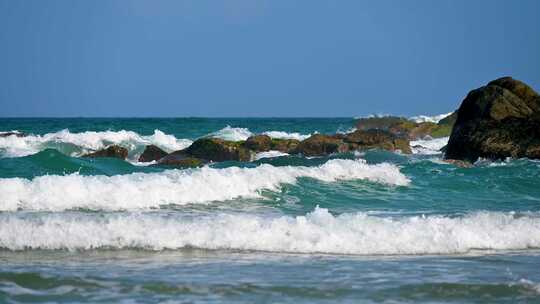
(152, 190)
(238, 134)
(316, 232)
(75, 144)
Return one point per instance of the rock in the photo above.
(12, 133)
(380, 123)
(499, 120)
(113, 151)
(404, 127)
(318, 145)
(180, 159)
(259, 143)
(459, 163)
(152, 153)
(377, 139)
(216, 149)
(285, 145)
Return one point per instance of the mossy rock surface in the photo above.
(218, 150)
(319, 144)
(377, 139)
(259, 143)
(284, 145)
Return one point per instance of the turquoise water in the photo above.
(356, 227)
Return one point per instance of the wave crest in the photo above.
(148, 190)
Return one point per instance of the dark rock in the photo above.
(259, 143)
(377, 139)
(113, 151)
(318, 145)
(285, 145)
(151, 153)
(181, 159)
(499, 120)
(216, 149)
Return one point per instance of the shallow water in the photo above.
(370, 227)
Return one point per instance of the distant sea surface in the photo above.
(369, 227)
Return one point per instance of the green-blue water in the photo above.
(355, 227)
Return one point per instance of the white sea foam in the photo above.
(77, 143)
(269, 154)
(147, 190)
(316, 232)
(285, 135)
(425, 118)
(428, 146)
(237, 134)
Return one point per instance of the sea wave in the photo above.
(434, 118)
(238, 134)
(75, 144)
(429, 146)
(316, 232)
(151, 190)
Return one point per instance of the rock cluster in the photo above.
(404, 127)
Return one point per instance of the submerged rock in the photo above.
(113, 151)
(499, 120)
(216, 149)
(152, 153)
(377, 139)
(259, 143)
(319, 144)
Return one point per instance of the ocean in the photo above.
(363, 227)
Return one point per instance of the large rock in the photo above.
(259, 143)
(319, 144)
(499, 120)
(152, 153)
(377, 139)
(181, 159)
(113, 151)
(217, 150)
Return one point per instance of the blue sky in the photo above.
(258, 58)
